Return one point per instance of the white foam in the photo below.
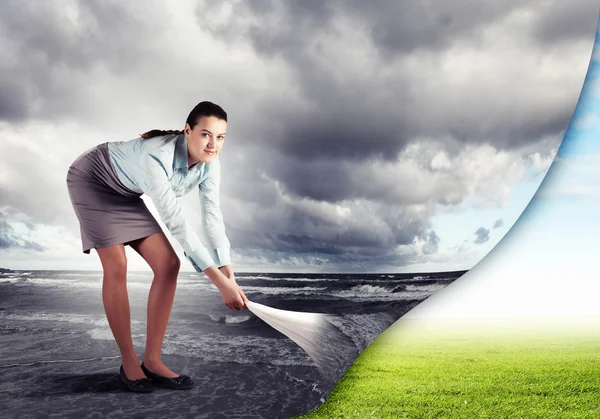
(370, 289)
(103, 333)
(373, 293)
(80, 274)
(268, 278)
(58, 282)
(94, 320)
(428, 287)
(132, 284)
(228, 318)
(282, 290)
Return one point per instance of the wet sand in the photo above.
(62, 374)
(91, 389)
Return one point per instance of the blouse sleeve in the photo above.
(213, 226)
(156, 185)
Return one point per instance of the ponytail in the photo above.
(158, 132)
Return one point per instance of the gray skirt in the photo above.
(109, 213)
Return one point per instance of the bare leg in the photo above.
(116, 306)
(165, 263)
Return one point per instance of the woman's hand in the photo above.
(224, 279)
(233, 296)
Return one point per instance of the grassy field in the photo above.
(517, 368)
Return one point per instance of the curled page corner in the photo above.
(322, 341)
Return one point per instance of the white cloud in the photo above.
(588, 121)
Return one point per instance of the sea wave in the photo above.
(428, 287)
(228, 318)
(363, 328)
(94, 320)
(281, 290)
(370, 289)
(96, 283)
(291, 279)
(366, 293)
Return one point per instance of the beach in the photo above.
(60, 359)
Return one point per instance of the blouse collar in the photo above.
(180, 160)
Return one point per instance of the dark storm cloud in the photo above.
(402, 26)
(377, 116)
(399, 27)
(499, 223)
(483, 235)
(321, 145)
(395, 27)
(285, 224)
(298, 230)
(49, 53)
(337, 124)
(368, 234)
(411, 180)
(432, 243)
(561, 21)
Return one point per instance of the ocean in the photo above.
(58, 355)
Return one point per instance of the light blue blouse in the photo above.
(158, 167)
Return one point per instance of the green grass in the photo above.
(520, 368)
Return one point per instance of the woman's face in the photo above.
(205, 141)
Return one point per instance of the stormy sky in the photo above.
(382, 137)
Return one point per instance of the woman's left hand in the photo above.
(228, 272)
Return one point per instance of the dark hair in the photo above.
(201, 109)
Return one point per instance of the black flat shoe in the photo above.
(182, 382)
(142, 385)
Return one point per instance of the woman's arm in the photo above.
(227, 270)
(155, 184)
(213, 226)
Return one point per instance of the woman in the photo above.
(106, 184)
